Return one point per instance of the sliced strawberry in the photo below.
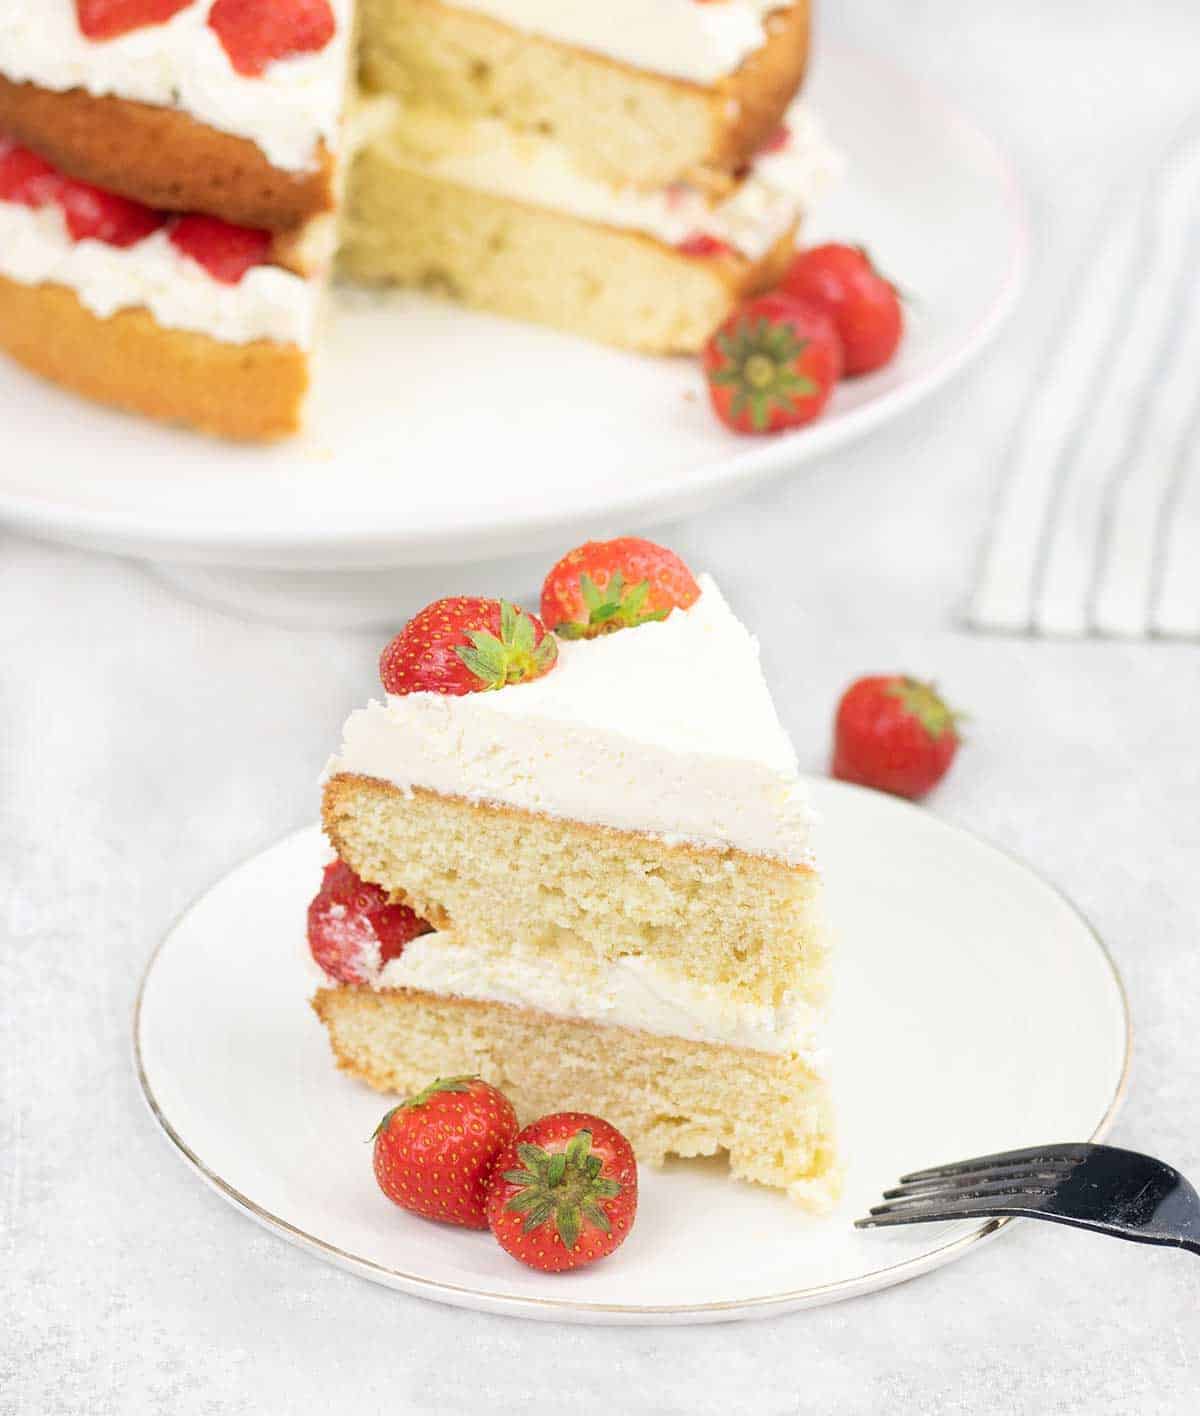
(352, 927)
(25, 177)
(106, 19)
(703, 247)
(103, 216)
(778, 140)
(226, 252)
(255, 33)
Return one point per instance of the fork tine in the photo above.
(1070, 1151)
(1052, 1170)
(996, 1189)
(933, 1213)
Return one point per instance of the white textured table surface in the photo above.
(149, 744)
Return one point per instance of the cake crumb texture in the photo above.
(770, 1115)
(625, 124)
(748, 923)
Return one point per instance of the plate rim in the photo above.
(727, 477)
(566, 1309)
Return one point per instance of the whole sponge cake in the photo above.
(614, 852)
(627, 175)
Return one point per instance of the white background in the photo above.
(149, 744)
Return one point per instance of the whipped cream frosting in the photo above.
(490, 156)
(698, 40)
(631, 992)
(287, 111)
(268, 303)
(668, 728)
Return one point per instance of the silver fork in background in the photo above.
(1117, 1192)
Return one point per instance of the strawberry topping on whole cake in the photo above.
(257, 33)
(108, 19)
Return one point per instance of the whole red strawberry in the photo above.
(106, 19)
(103, 216)
(227, 252)
(894, 733)
(466, 645)
(862, 303)
(772, 364)
(564, 1193)
(606, 585)
(435, 1153)
(353, 930)
(255, 33)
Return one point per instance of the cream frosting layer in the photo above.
(698, 40)
(631, 992)
(488, 155)
(268, 303)
(668, 729)
(287, 111)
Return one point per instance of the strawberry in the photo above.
(772, 364)
(894, 733)
(27, 178)
(564, 1193)
(103, 216)
(226, 252)
(465, 645)
(606, 585)
(106, 19)
(863, 304)
(353, 929)
(435, 1154)
(255, 33)
(701, 246)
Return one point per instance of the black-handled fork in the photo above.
(1116, 1192)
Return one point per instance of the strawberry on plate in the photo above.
(467, 644)
(564, 1192)
(863, 304)
(257, 33)
(606, 585)
(107, 19)
(436, 1152)
(226, 251)
(772, 364)
(93, 214)
(353, 929)
(894, 733)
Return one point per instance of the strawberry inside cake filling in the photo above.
(192, 273)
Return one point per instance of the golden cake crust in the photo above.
(163, 157)
(758, 93)
(252, 392)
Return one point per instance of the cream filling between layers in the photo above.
(490, 156)
(668, 729)
(287, 111)
(630, 992)
(698, 40)
(267, 303)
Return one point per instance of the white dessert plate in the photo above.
(975, 1011)
(445, 436)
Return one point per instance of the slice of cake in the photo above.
(614, 853)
